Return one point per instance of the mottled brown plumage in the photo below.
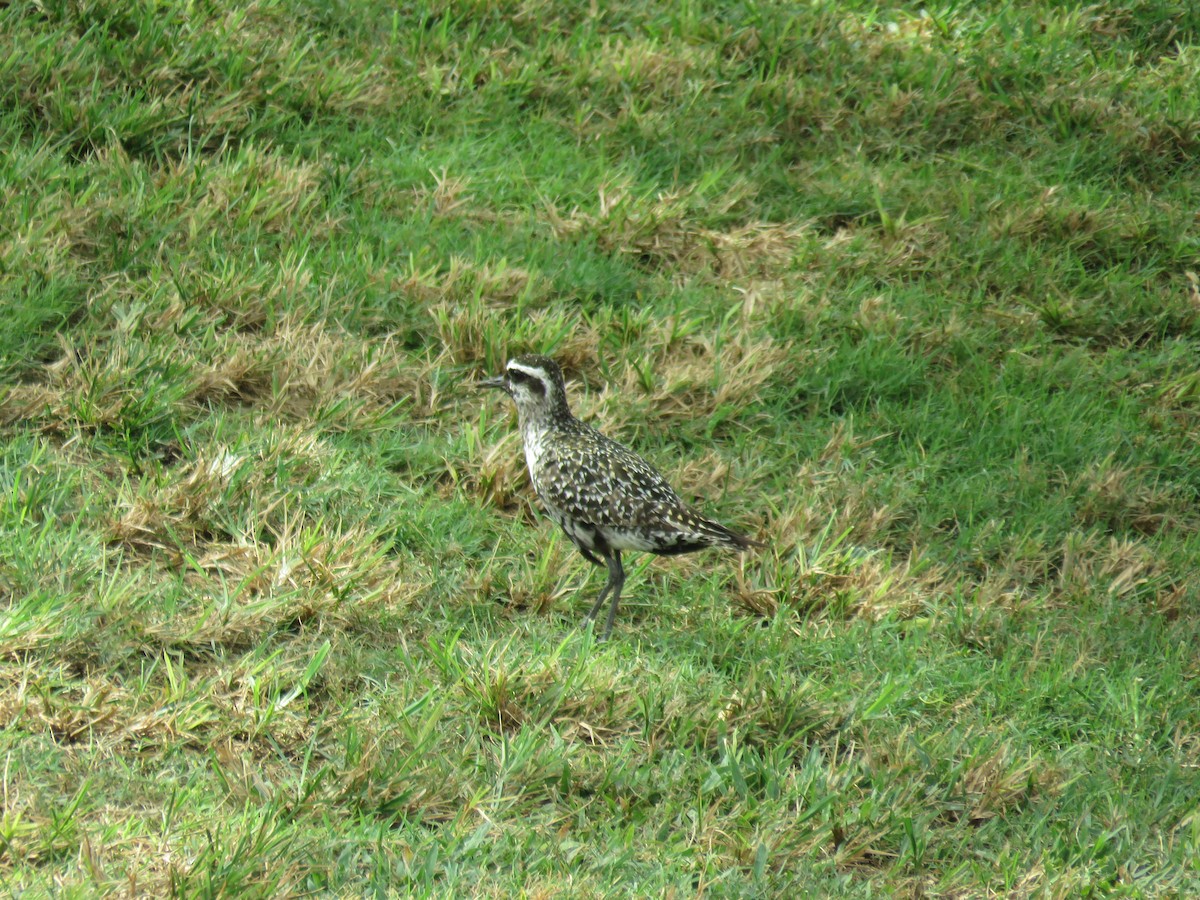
(605, 497)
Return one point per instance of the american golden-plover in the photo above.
(605, 497)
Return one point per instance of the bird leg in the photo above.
(616, 579)
(599, 602)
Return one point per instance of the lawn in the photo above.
(910, 294)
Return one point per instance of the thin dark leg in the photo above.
(599, 601)
(583, 544)
(616, 580)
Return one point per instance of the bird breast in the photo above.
(534, 439)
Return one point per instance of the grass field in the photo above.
(912, 296)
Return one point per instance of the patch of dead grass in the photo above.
(304, 372)
(195, 504)
(481, 325)
(300, 581)
(500, 477)
(830, 547)
(1121, 567)
(466, 287)
(260, 190)
(586, 702)
(689, 378)
(840, 582)
(641, 65)
(663, 233)
(1121, 498)
(449, 197)
(223, 522)
(990, 778)
(539, 580)
(319, 371)
(1005, 781)
(25, 403)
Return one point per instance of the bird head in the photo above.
(535, 384)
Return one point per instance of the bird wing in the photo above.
(596, 479)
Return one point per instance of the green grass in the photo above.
(913, 297)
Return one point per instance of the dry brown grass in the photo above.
(641, 65)
(484, 328)
(299, 371)
(320, 372)
(688, 378)
(705, 374)
(661, 233)
(1121, 497)
(1121, 567)
(495, 473)
(256, 189)
(840, 582)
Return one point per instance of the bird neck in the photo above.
(537, 420)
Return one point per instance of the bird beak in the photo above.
(499, 381)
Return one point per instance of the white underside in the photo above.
(616, 538)
(626, 540)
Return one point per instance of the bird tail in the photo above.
(696, 533)
(725, 537)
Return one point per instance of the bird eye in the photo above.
(532, 382)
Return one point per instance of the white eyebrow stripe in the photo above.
(539, 374)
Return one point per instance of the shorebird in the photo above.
(605, 497)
